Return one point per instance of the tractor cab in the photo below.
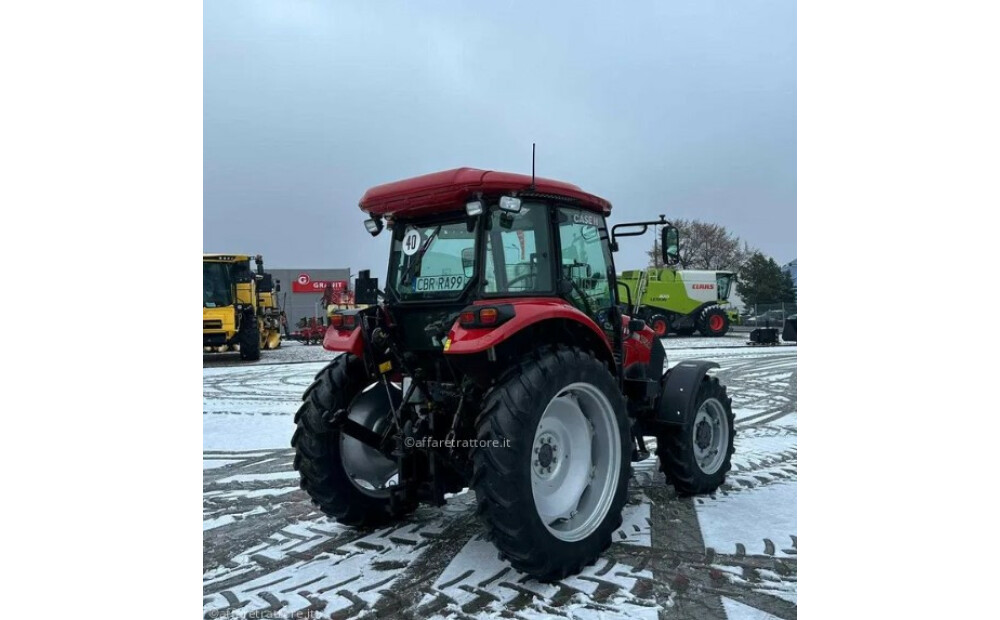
(502, 248)
(473, 249)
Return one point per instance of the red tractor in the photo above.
(498, 357)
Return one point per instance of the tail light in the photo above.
(485, 316)
(488, 316)
(343, 321)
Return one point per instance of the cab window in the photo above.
(585, 259)
(518, 256)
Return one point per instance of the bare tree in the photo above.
(704, 246)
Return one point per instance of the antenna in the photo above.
(532, 166)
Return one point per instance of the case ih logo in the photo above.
(703, 287)
(305, 284)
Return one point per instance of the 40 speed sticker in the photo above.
(432, 284)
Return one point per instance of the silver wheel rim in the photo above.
(710, 436)
(575, 461)
(367, 468)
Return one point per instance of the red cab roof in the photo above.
(449, 190)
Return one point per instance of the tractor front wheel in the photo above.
(551, 472)
(345, 478)
(696, 455)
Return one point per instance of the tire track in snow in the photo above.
(283, 556)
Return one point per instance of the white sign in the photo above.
(411, 242)
(433, 284)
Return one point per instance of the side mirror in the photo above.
(277, 286)
(468, 261)
(670, 245)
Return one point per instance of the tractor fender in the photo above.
(680, 390)
(348, 341)
(527, 312)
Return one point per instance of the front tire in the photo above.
(249, 339)
(713, 322)
(658, 323)
(320, 451)
(553, 497)
(696, 456)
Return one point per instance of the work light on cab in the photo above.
(473, 208)
(373, 226)
(511, 204)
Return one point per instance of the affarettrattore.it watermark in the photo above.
(431, 443)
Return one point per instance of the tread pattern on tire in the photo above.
(704, 317)
(250, 340)
(675, 448)
(317, 449)
(508, 411)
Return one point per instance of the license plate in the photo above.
(433, 284)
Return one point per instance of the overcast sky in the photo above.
(685, 108)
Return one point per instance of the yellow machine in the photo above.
(240, 309)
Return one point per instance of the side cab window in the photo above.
(517, 255)
(585, 259)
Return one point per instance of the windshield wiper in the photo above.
(415, 261)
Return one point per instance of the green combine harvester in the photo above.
(681, 301)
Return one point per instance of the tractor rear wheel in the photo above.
(659, 325)
(345, 478)
(696, 455)
(552, 478)
(713, 322)
(249, 339)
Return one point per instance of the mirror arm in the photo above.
(633, 233)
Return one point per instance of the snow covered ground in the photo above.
(269, 553)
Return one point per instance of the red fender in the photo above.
(346, 340)
(463, 341)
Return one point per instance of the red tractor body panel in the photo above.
(346, 340)
(448, 191)
(527, 311)
(638, 346)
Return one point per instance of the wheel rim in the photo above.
(575, 461)
(660, 327)
(367, 468)
(715, 323)
(710, 436)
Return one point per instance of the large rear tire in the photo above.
(713, 322)
(553, 496)
(359, 497)
(696, 456)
